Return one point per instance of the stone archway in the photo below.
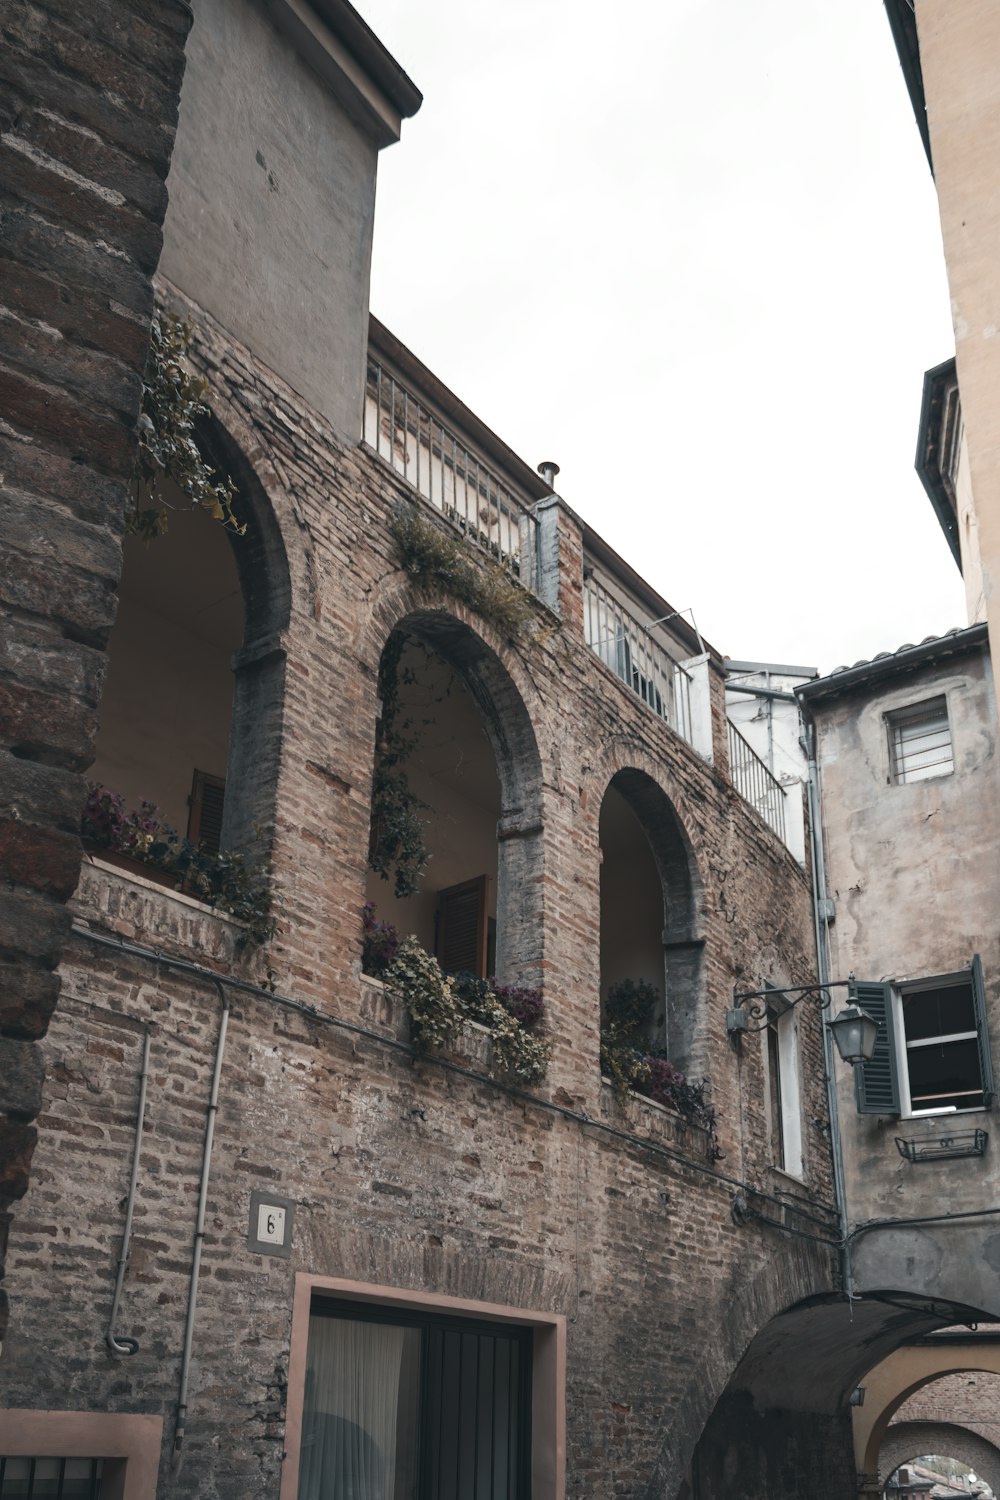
(905, 1441)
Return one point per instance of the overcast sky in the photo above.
(690, 251)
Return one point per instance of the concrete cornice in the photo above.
(349, 58)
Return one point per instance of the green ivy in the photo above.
(168, 443)
(437, 1013)
(453, 566)
(396, 846)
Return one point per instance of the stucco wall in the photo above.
(272, 202)
(912, 870)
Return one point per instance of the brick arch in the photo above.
(905, 1441)
(640, 781)
(891, 1382)
(495, 680)
(259, 666)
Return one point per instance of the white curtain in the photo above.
(351, 1410)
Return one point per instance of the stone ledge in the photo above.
(643, 1116)
(133, 906)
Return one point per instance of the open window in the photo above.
(932, 1053)
(784, 1101)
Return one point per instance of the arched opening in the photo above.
(648, 916)
(167, 703)
(191, 709)
(456, 746)
(953, 1466)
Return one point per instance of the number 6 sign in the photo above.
(270, 1223)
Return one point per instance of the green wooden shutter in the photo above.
(876, 1082)
(983, 1035)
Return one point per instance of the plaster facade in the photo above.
(959, 62)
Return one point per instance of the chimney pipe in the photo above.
(548, 471)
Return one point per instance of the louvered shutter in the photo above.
(982, 1032)
(208, 795)
(876, 1082)
(461, 942)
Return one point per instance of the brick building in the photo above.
(268, 1246)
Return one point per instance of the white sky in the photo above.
(689, 250)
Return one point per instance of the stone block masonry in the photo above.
(416, 1175)
(88, 109)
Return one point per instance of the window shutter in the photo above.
(983, 1035)
(461, 942)
(208, 795)
(876, 1082)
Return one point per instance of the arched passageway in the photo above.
(455, 849)
(913, 1443)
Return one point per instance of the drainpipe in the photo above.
(199, 1228)
(821, 922)
(129, 1346)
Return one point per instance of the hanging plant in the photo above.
(396, 845)
(237, 881)
(168, 443)
(451, 565)
(634, 1066)
(438, 1006)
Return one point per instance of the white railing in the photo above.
(632, 652)
(755, 783)
(403, 432)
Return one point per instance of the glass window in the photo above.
(942, 1048)
(414, 1407)
(41, 1478)
(920, 741)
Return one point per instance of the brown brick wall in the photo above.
(403, 1173)
(88, 107)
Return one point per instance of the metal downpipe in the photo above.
(199, 1228)
(129, 1346)
(820, 921)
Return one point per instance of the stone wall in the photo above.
(423, 1175)
(88, 108)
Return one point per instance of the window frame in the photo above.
(894, 718)
(129, 1444)
(784, 1091)
(882, 1086)
(548, 1380)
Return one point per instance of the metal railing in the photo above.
(754, 782)
(440, 467)
(631, 651)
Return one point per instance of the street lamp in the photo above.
(853, 1029)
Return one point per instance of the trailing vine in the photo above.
(438, 1006)
(396, 844)
(237, 881)
(168, 442)
(634, 1065)
(451, 565)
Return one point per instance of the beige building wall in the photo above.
(960, 61)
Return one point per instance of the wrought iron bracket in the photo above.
(751, 1006)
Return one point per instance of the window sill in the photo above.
(780, 1174)
(133, 907)
(658, 1119)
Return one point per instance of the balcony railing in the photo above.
(754, 782)
(456, 481)
(626, 646)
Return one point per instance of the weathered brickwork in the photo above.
(411, 1174)
(88, 108)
